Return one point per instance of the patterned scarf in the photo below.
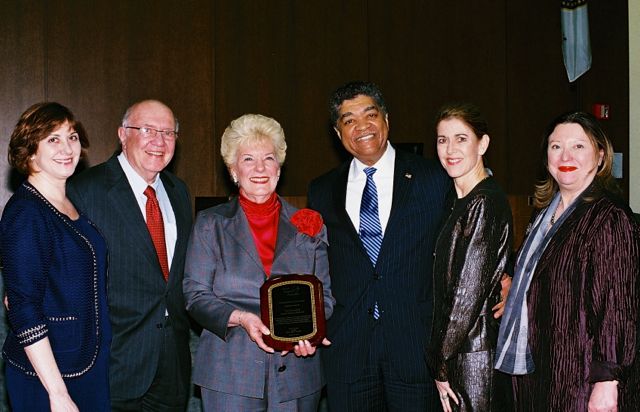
(513, 353)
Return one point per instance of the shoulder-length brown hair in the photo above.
(547, 187)
(35, 124)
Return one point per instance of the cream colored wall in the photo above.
(634, 105)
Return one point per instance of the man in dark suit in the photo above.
(147, 233)
(382, 319)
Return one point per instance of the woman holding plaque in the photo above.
(234, 248)
(471, 255)
(570, 327)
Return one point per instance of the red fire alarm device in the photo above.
(601, 111)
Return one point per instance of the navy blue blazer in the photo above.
(139, 297)
(51, 280)
(401, 281)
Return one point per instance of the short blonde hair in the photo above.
(249, 129)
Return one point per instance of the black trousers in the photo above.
(379, 390)
(167, 393)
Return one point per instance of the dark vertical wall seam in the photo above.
(507, 123)
(366, 12)
(45, 51)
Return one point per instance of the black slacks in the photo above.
(379, 389)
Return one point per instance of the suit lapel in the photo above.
(124, 202)
(180, 209)
(286, 230)
(237, 227)
(402, 179)
(292, 254)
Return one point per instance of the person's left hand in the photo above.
(504, 292)
(604, 397)
(446, 395)
(304, 348)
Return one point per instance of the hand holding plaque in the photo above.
(292, 307)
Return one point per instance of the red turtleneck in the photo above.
(263, 220)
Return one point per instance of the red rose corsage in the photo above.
(307, 221)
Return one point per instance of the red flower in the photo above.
(307, 221)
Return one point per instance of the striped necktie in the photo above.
(370, 228)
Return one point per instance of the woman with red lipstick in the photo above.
(570, 331)
(54, 269)
(234, 248)
(472, 251)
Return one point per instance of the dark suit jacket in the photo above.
(400, 282)
(138, 294)
(224, 272)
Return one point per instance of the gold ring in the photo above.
(443, 397)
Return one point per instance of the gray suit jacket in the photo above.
(138, 294)
(224, 272)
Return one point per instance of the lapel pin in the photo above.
(408, 175)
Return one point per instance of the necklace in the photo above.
(553, 216)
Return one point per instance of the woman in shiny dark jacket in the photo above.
(471, 255)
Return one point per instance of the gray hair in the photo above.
(249, 129)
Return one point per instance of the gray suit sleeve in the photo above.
(201, 263)
(322, 273)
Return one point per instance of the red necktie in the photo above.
(156, 229)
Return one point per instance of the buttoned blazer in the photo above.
(51, 283)
(401, 281)
(138, 294)
(224, 272)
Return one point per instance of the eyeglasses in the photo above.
(151, 132)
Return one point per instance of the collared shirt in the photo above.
(139, 185)
(383, 179)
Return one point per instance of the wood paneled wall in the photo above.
(212, 61)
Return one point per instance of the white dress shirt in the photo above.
(383, 178)
(139, 185)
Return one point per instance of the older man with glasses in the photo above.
(144, 213)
